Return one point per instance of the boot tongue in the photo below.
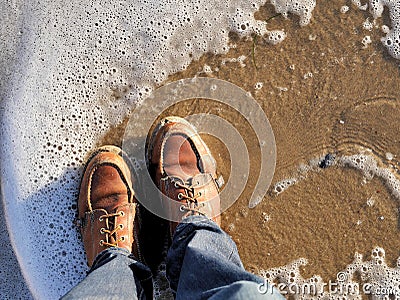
(182, 163)
(108, 191)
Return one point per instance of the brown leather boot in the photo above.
(184, 170)
(107, 204)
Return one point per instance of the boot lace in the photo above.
(192, 206)
(110, 233)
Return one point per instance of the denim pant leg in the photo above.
(115, 274)
(203, 262)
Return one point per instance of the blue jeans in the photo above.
(202, 263)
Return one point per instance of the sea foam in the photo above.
(392, 38)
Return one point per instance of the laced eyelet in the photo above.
(101, 219)
(182, 208)
(101, 243)
(176, 184)
(122, 213)
(121, 226)
(200, 193)
(122, 239)
(180, 196)
(102, 230)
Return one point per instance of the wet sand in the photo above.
(350, 101)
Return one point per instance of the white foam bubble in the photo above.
(283, 185)
(359, 5)
(389, 156)
(385, 29)
(312, 37)
(391, 40)
(366, 41)
(239, 60)
(344, 9)
(207, 69)
(308, 75)
(367, 25)
(276, 36)
(302, 8)
(368, 165)
(258, 85)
